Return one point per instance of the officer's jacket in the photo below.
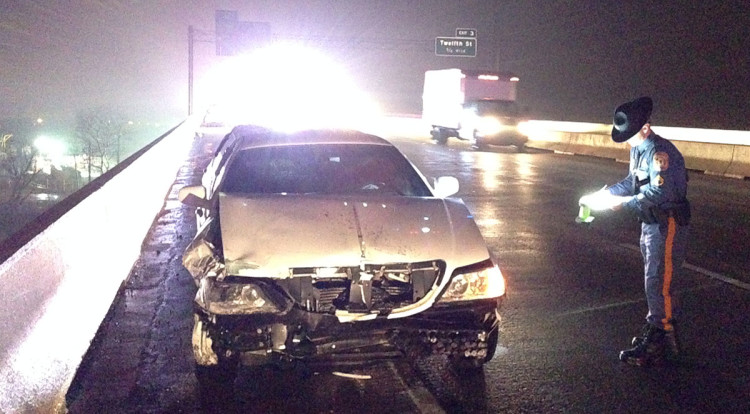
(658, 180)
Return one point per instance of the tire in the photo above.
(477, 144)
(439, 136)
(215, 372)
(474, 365)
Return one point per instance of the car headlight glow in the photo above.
(489, 125)
(480, 284)
(232, 298)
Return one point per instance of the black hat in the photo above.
(631, 117)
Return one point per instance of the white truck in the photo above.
(478, 106)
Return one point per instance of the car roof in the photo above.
(257, 136)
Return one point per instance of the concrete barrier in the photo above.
(716, 152)
(58, 286)
(597, 145)
(710, 158)
(740, 165)
(725, 153)
(557, 141)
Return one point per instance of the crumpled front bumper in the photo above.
(455, 329)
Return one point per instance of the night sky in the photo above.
(577, 60)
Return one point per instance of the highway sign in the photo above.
(466, 32)
(456, 46)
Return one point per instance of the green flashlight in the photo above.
(584, 214)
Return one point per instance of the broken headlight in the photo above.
(473, 283)
(227, 298)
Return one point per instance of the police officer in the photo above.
(656, 192)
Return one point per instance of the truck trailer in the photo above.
(477, 106)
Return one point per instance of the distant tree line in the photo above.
(17, 161)
(99, 133)
(97, 141)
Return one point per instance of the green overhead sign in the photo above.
(456, 46)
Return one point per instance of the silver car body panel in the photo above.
(272, 234)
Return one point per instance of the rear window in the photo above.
(335, 169)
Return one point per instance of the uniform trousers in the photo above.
(664, 247)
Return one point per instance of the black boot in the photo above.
(638, 339)
(671, 343)
(649, 349)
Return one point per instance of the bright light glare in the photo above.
(53, 151)
(489, 125)
(489, 167)
(49, 145)
(287, 87)
(713, 136)
(601, 200)
(525, 128)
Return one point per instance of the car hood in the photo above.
(265, 236)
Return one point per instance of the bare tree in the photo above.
(99, 132)
(17, 162)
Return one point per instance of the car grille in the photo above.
(373, 288)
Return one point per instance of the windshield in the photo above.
(333, 169)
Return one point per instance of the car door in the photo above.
(212, 176)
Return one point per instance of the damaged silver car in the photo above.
(329, 246)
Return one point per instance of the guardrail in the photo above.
(59, 276)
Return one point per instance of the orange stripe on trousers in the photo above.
(667, 282)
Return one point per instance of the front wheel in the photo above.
(215, 372)
(477, 143)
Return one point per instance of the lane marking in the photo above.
(421, 397)
(705, 272)
(714, 275)
(629, 302)
(352, 376)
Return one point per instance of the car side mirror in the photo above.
(445, 186)
(194, 195)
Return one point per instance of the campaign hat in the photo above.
(631, 117)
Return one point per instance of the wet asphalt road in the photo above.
(575, 299)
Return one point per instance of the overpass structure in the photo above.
(59, 276)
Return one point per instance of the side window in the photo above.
(222, 162)
(214, 169)
(227, 138)
(226, 152)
